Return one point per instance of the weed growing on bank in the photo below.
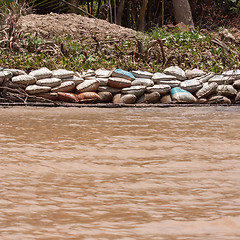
(153, 51)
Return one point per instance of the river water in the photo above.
(89, 173)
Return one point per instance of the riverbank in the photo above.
(118, 88)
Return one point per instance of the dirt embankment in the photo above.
(77, 26)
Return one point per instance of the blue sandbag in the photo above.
(182, 96)
(122, 73)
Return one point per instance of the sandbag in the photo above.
(166, 99)
(227, 90)
(232, 73)
(162, 77)
(5, 75)
(182, 96)
(171, 83)
(143, 82)
(15, 72)
(105, 97)
(48, 95)
(109, 89)
(221, 79)
(118, 82)
(237, 98)
(162, 89)
(175, 71)
(236, 84)
(191, 85)
(123, 74)
(62, 73)
(41, 73)
(68, 86)
(136, 90)
(149, 98)
(142, 74)
(88, 97)
(77, 80)
(219, 100)
(194, 73)
(35, 89)
(68, 97)
(49, 82)
(102, 73)
(24, 79)
(126, 99)
(102, 81)
(88, 86)
(207, 90)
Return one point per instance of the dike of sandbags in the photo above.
(173, 85)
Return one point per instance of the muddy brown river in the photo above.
(95, 174)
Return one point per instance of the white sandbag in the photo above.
(191, 85)
(194, 73)
(182, 96)
(102, 81)
(205, 78)
(171, 83)
(143, 82)
(142, 74)
(24, 79)
(162, 89)
(35, 89)
(62, 73)
(109, 89)
(206, 90)
(227, 90)
(162, 77)
(5, 75)
(68, 86)
(221, 79)
(41, 73)
(102, 73)
(88, 86)
(15, 72)
(136, 90)
(175, 71)
(75, 79)
(232, 73)
(49, 82)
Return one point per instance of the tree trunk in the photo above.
(120, 12)
(182, 12)
(141, 17)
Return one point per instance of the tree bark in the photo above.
(120, 12)
(182, 12)
(141, 17)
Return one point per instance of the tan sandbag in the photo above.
(102, 81)
(102, 73)
(175, 71)
(126, 99)
(5, 75)
(35, 89)
(227, 90)
(75, 79)
(119, 82)
(24, 79)
(219, 100)
(15, 72)
(88, 86)
(149, 98)
(237, 99)
(221, 79)
(207, 90)
(105, 97)
(166, 99)
(236, 84)
(68, 86)
(194, 73)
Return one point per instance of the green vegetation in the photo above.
(187, 49)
